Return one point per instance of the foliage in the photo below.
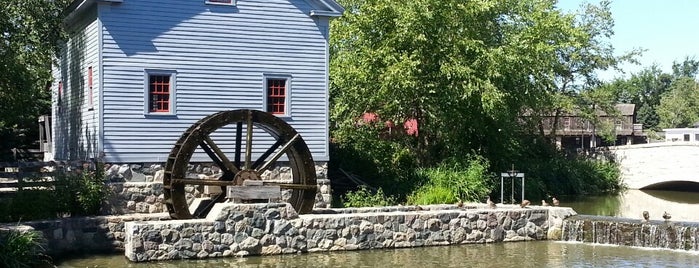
(30, 33)
(465, 71)
(679, 106)
(363, 197)
(452, 182)
(74, 194)
(22, 248)
(551, 173)
(649, 90)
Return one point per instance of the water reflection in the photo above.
(522, 254)
(632, 203)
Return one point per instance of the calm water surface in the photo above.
(630, 204)
(683, 206)
(520, 254)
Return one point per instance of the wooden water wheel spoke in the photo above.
(248, 142)
(296, 186)
(202, 182)
(287, 142)
(266, 154)
(219, 158)
(238, 142)
(276, 156)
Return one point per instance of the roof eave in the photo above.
(79, 6)
(325, 13)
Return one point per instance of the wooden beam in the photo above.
(254, 192)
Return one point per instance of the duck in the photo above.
(555, 202)
(646, 216)
(666, 216)
(490, 203)
(460, 203)
(544, 204)
(525, 203)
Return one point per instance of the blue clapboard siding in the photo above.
(219, 54)
(75, 121)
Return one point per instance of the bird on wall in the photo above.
(544, 204)
(646, 216)
(666, 216)
(460, 203)
(556, 202)
(525, 203)
(490, 203)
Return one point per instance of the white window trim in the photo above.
(146, 91)
(232, 3)
(287, 91)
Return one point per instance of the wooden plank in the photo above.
(254, 192)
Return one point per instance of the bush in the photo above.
(79, 193)
(363, 197)
(451, 182)
(22, 249)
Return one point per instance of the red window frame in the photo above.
(276, 95)
(89, 86)
(159, 87)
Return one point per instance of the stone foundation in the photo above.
(138, 188)
(268, 229)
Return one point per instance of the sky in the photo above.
(668, 30)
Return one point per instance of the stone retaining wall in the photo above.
(266, 229)
(84, 235)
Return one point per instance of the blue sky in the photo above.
(667, 29)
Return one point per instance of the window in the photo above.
(276, 92)
(686, 137)
(89, 88)
(696, 137)
(221, 2)
(159, 92)
(60, 95)
(566, 123)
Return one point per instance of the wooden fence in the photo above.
(18, 176)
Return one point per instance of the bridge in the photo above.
(665, 165)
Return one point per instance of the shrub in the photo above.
(22, 249)
(452, 181)
(78, 193)
(363, 197)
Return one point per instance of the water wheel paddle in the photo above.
(285, 141)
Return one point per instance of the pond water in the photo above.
(519, 254)
(630, 204)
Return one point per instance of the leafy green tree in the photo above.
(29, 31)
(465, 71)
(679, 107)
(687, 68)
(462, 69)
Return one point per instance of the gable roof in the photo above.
(323, 8)
(328, 8)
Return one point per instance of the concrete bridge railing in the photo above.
(647, 165)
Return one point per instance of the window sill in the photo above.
(232, 3)
(160, 115)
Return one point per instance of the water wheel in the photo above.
(276, 140)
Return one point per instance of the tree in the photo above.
(465, 71)
(30, 31)
(679, 107)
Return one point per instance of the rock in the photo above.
(250, 244)
(124, 172)
(158, 177)
(271, 250)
